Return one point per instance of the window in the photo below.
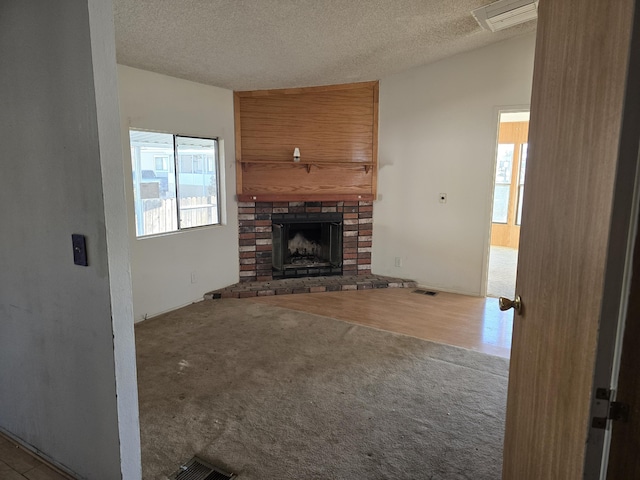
(210, 164)
(162, 164)
(502, 190)
(186, 163)
(175, 182)
(523, 167)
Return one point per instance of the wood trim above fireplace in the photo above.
(315, 197)
(336, 129)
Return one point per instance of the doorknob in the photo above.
(506, 304)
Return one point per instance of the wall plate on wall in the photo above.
(79, 249)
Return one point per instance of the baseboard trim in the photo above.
(32, 451)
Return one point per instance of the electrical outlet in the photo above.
(442, 198)
(398, 261)
(194, 279)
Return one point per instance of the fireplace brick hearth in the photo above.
(290, 286)
(255, 235)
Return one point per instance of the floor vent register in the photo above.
(431, 293)
(198, 469)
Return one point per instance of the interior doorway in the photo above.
(511, 163)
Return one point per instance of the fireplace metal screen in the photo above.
(307, 244)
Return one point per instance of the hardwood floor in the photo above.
(470, 322)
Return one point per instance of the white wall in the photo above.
(162, 266)
(437, 134)
(63, 390)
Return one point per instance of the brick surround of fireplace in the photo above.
(256, 236)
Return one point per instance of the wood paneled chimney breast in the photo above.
(336, 128)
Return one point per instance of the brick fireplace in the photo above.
(256, 235)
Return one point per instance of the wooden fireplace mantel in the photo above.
(272, 197)
(367, 165)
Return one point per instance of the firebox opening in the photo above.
(307, 245)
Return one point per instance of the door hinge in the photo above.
(618, 411)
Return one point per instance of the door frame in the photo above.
(624, 227)
(617, 291)
(496, 113)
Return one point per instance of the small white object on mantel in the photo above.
(296, 154)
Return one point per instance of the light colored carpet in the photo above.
(503, 266)
(272, 393)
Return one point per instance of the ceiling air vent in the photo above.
(506, 13)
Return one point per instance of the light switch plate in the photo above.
(79, 249)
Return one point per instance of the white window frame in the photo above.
(173, 171)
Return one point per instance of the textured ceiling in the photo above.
(261, 44)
